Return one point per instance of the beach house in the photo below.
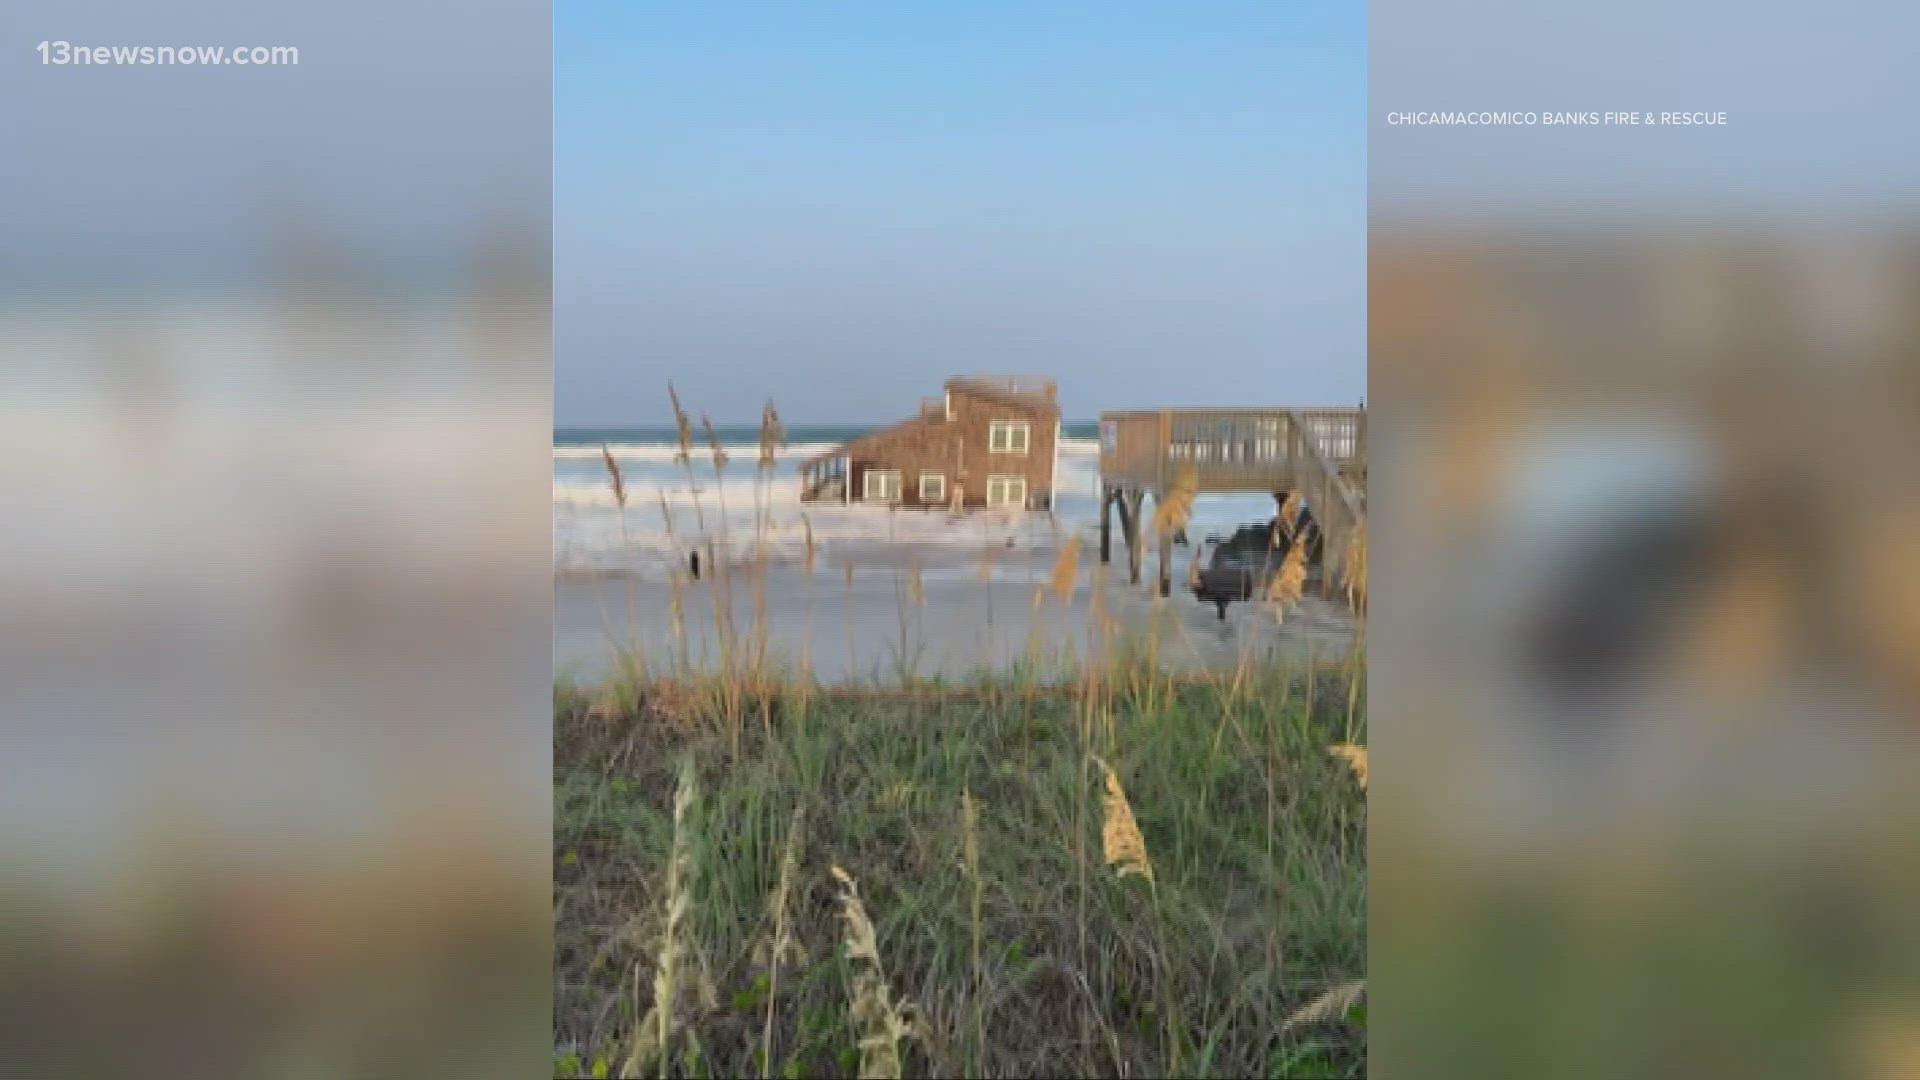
(989, 441)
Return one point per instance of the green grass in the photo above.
(1257, 837)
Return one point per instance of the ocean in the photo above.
(668, 509)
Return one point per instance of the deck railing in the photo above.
(1034, 386)
(1320, 454)
(1230, 449)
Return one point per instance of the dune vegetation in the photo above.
(1103, 869)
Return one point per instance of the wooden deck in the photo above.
(1318, 454)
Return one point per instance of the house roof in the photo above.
(874, 438)
(1018, 391)
(1023, 391)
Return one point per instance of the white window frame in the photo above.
(1005, 484)
(938, 497)
(868, 492)
(995, 443)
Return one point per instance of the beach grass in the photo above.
(1020, 953)
(1076, 866)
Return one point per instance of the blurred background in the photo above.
(274, 581)
(1647, 558)
(274, 632)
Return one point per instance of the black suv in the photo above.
(1242, 565)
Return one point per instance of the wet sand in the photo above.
(871, 627)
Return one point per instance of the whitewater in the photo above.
(750, 512)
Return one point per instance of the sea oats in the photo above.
(1355, 757)
(1288, 518)
(1126, 848)
(1176, 504)
(806, 530)
(713, 442)
(1355, 570)
(879, 1022)
(1289, 582)
(673, 945)
(772, 435)
(679, 867)
(1331, 1004)
(683, 424)
(782, 945)
(1066, 570)
(677, 608)
(646, 1046)
(614, 476)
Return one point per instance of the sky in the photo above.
(836, 206)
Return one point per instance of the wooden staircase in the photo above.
(1318, 454)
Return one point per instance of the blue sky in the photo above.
(839, 205)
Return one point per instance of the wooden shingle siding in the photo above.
(955, 443)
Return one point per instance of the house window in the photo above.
(1007, 436)
(882, 485)
(933, 488)
(1006, 490)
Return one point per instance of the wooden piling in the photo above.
(1106, 524)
